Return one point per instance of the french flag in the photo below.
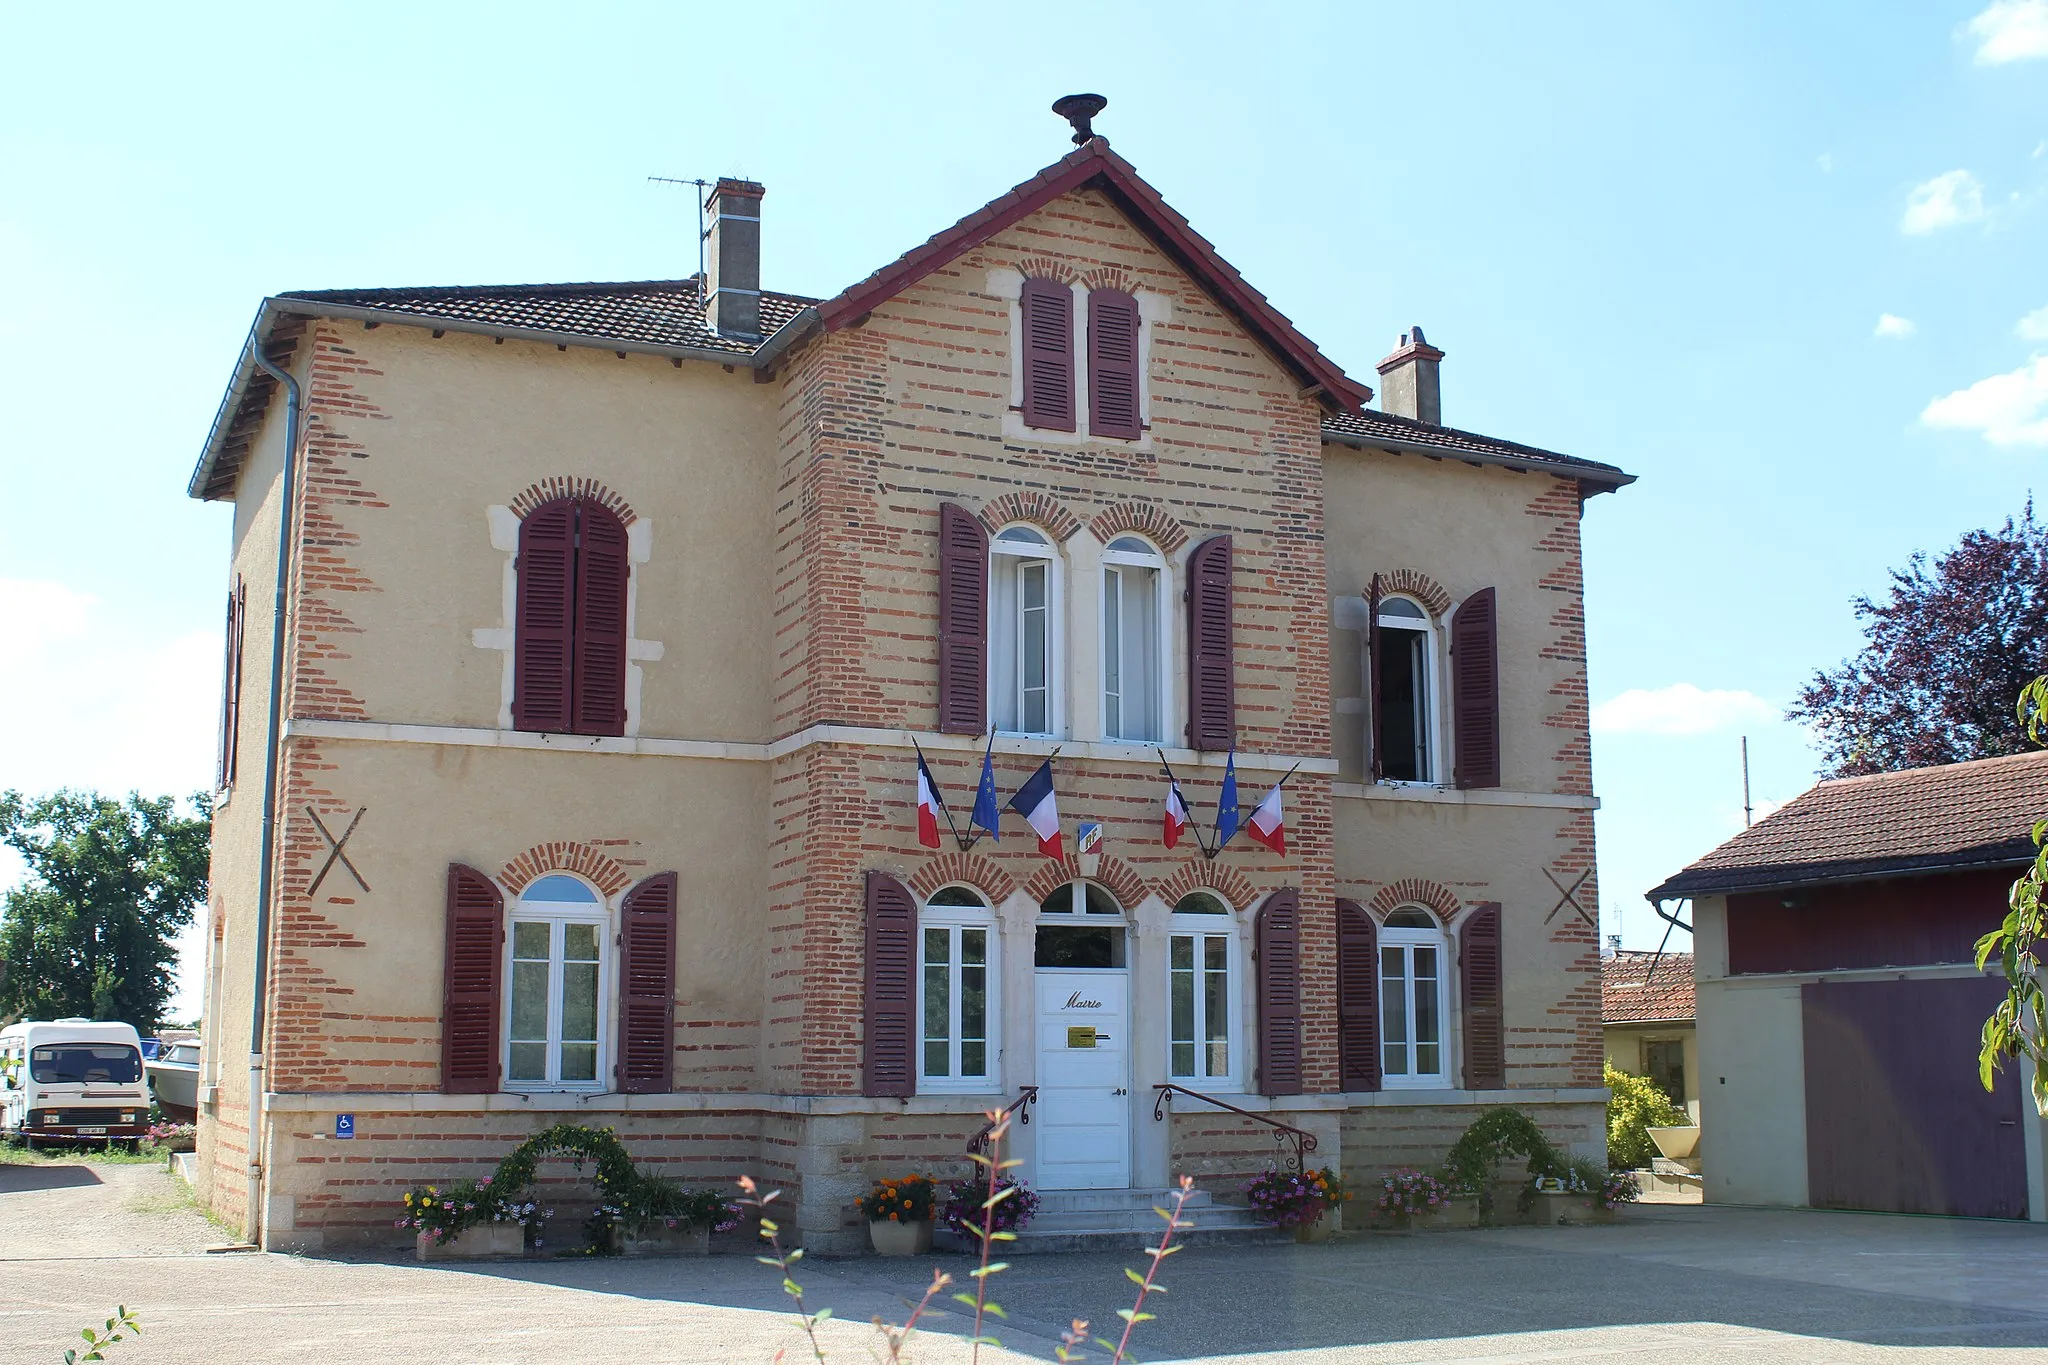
(1035, 802)
(1176, 814)
(927, 806)
(1267, 824)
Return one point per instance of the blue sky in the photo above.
(1661, 236)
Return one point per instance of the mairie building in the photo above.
(583, 640)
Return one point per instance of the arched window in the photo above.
(1134, 612)
(1080, 925)
(958, 983)
(1405, 691)
(1414, 1048)
(1024, 623)
(569, 647)
(555, 1035)
(1202, 968)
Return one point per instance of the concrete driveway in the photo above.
(1671, 1284)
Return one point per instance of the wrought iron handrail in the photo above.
(1283, 1133)
(1027, 1095)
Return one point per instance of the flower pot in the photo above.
(900, 1239)
(1461, 1211)
(657, 1238)
(1318, 1231)
(487, 1239)
(1550, 1210)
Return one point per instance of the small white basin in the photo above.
(1676, 1143)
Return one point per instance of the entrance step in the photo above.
(1112, 1220)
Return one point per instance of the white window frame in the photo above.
(1200, 927)
(953, 919)
(557, 915)
(1431, 724)
(1004, 557)
(1407, 940)
(1161, 644)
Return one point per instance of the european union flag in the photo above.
(986, 812)
(1226, 804)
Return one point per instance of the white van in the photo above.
(72, 1080)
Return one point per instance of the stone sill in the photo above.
(1454, 796)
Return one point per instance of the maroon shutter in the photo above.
(599, 687)
(542, 620)
(1212, 674)
(1475, 692)
(1358, 1009)
(1048, 355)
(241, 635)
(231, 687)
(889, 1064)
(1278, 950)
(1372, 668)
(469, 1002)
(647, 978)
(1479, 967)
(963, 622)
(1113, 365)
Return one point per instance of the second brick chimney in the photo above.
(732, 259)
(1409, 384)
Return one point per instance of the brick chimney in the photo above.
(732, 259)
(1409, 386)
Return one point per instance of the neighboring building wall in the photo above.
(1626, 1049)
(1753, 1075)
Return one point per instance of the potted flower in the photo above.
(1580, 1192)
(899, 1213)
(1460, 1208)
(1408, 1195)
(658, 1217)
(167, 1136)
(465, 1220)
(963, 1216)
(1300, 1200)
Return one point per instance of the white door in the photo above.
(1083, 1114)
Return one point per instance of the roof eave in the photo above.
(1679, 888)
(1599, 478)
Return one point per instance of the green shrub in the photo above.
(1636, 1106)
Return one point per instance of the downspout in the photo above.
(265, 875)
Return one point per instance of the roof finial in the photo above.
(1078, 110)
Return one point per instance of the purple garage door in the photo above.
(1895, 1117)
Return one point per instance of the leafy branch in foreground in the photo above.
(96, 1343)
(1148, 1285)
(2019, 1026)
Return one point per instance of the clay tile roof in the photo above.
(1630, 993)
(1887, 824)
(647, 312)
(1366, 427)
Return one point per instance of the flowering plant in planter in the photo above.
(1292, 1199)
(1406, 1194)
(172, 1137)
(444, 1214)
(903, 1199)
(1016, 1204)
(1617, 1188)
(655, 1201)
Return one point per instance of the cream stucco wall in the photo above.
(1752, 1077)
(1624, 1050)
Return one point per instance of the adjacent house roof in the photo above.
(1889, 824)
(666, 317)
(1632, 993)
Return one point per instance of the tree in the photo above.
(1943, 657)
(2019, 1026)
(111, 883)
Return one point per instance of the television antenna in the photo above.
(702, 231)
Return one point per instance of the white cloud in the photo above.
(1680, 709)
(2034, 326)
(1951, 198)
(2008, 409)
(1893, 326)
(2011, 31)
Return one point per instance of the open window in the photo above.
(1024, 632)
(1414, 1051)
(1403, 659)
(1202, 1008)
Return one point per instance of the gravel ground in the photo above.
(1669, 1285)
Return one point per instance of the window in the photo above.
(956, 992)
(569, 646)
(231, 688)
(1664, 1059)
(1413, 1049)
(1403, 667)
(1133, 577)
(84, 1064)
(554, 1034)
(1201, 952)
(1080, 925)
(1023, 632)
